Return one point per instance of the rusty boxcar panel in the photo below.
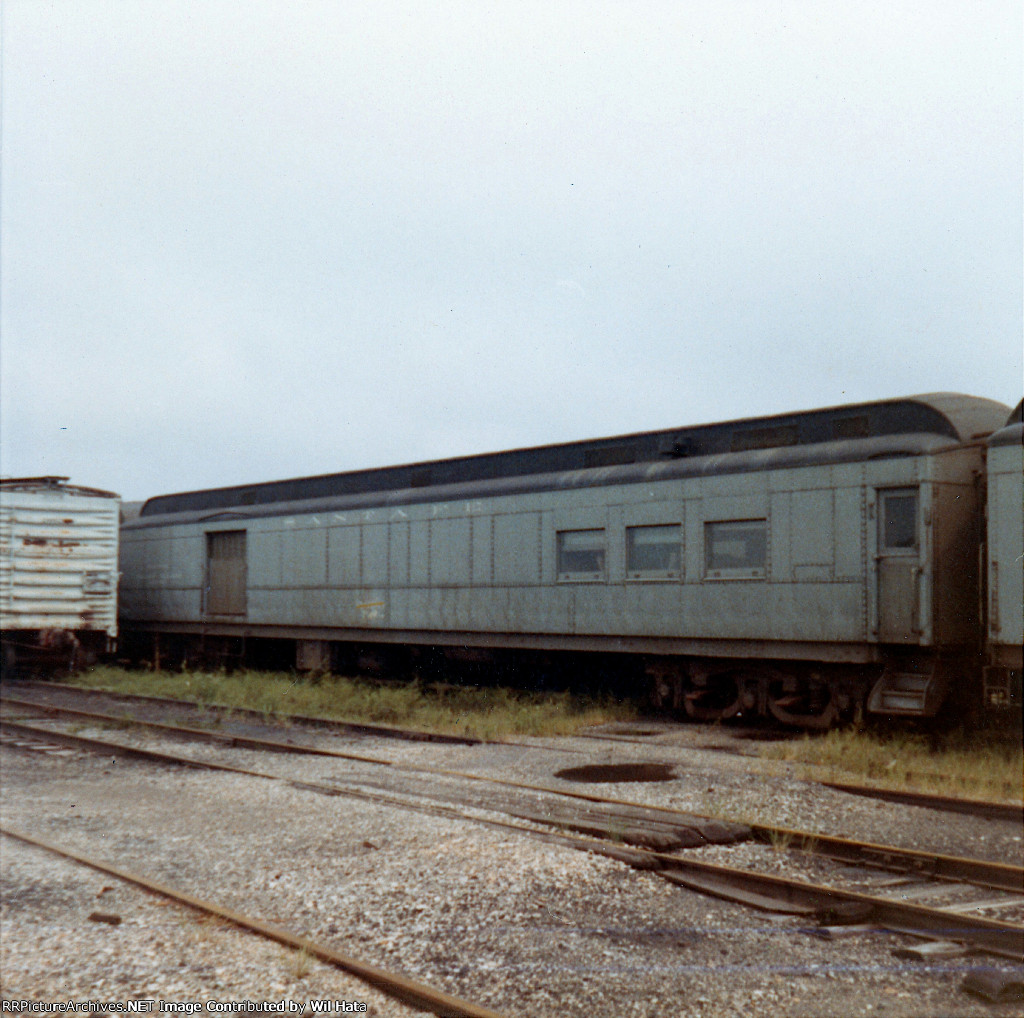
(58, 556)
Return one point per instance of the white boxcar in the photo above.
(58, 570)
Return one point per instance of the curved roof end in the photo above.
(972, 416)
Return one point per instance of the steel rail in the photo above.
(311, 721)
(199, 734)
(800, 898)
(102, 746)
(930, 865)
(1000, 876)
(747, 887)
(401, 988)
(984, 808)
(990, 809)
(357, 727)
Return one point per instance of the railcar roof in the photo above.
(1013, 433)
(950, 415)
(51, 484)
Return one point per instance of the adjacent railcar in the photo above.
(796, 565)
(58, 572)
(1005, 563)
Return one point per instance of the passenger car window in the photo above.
(736, 549)
(899, 520)
(581, 554)
(654, 551)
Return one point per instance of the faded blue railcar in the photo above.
(796, 565)
(1004, 544)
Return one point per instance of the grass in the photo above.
(981, 765)
(780, 840)
(481, 712)
(202, 928)
(300, 963)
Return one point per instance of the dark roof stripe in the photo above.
(944, 414)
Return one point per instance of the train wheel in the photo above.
(666, 682)
(802, 703)
(718, 698)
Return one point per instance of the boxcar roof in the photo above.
(948, 415)
(50, 484)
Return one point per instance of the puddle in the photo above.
(612, 773)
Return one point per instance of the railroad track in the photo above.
(982, 808)
(663, 825)
(333, 724)
(399, 987)
(259, 717)
(631, 833)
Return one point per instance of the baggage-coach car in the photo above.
(796, 565)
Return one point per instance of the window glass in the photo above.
(581, 553)
(899, 521)
(655, 550)
(765, 438)
(736, 547)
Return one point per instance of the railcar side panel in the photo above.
(492, 565)
(1006, 545)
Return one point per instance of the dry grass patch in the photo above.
(980, 765)
(481, 712)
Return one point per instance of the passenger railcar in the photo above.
(795, 566)
(58, 571)
(1004, 544)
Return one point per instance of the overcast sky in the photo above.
(250, 241)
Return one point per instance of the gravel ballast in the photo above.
(520, 926)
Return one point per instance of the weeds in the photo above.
(299, 964)
(781, 841)
(809, 845)
(202, 929)
(482, 712)
(976, 765)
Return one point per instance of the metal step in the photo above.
(911, 693)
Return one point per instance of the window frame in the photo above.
(634, 574)
(581, 575)
(759, 572)
(884, 548)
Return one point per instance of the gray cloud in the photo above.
(241, 244)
